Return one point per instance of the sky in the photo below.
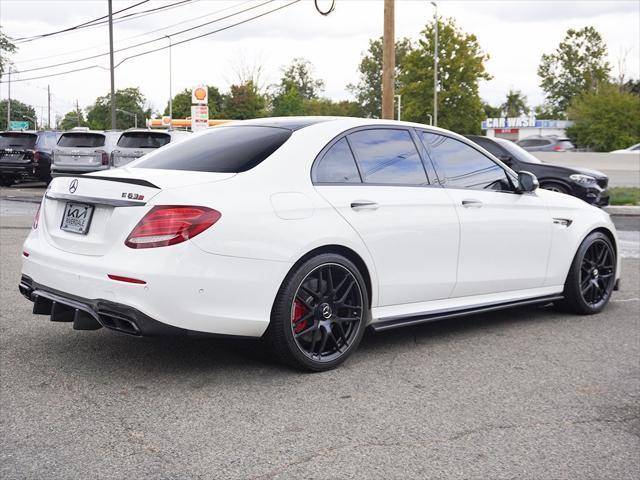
(515, 34)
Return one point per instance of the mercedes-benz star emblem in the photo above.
(326, 311)
(73, 186)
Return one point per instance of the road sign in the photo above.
(16, 125)
(199, 117)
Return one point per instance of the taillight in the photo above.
(36, 219)
(105, 158)
(168, 225)
(558, 148)
(36, 156)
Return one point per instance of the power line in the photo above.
(160, 48)
(75, 27)
(199, 17)
(91, 57)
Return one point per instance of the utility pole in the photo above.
(9, 99)
(388, 60)
(435, 71)
(113, 90)
(49, 107)
(170, 89)
(77, 112)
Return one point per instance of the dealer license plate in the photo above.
(77, 218)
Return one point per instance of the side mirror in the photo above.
(527, 181)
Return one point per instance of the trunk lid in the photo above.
(114, 201)
(80, 149)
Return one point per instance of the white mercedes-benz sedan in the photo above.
(307, 230)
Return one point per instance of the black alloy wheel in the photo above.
(555, 187)
(320, 313)
(592, 275)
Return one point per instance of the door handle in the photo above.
(364, 205)
(471, 203)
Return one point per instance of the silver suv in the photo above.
(135, 143)
(83, 151)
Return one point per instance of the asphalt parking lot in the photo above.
(528, 393)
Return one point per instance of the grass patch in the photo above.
(624, 196)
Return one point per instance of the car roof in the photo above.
(290, 123)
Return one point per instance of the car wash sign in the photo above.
(509, 122)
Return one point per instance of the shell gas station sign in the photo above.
(200, 95)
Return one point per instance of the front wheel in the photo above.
(555, 187)
(319, 314)
(591, 277)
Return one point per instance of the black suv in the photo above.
(26, 155)
(589, 185)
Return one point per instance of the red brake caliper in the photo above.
(298, 312)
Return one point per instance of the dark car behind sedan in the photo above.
(589, 185)
(26, 155)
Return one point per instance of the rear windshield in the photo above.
(143, 139)
(80, 140)
(221, 149)
(17, 140)
(47, 140)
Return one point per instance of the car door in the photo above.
(375, 178)
(505, 236)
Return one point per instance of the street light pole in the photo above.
(435, 70)
(9, 99)
(35, 121)
(170, 89)
(132, 114)
(399, 97)
(113, 83)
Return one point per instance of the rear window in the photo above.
(47, 140)
(80, 140)
(222, 150)
(143, 139)
(17, 140)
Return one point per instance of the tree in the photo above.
(546, 112)
(368, 90)
(242, 102)
(6, 47)
(460, 68)
(605, 120)
(490, 111)
(578, 65)
(631, 86)
(181, 107)
(327, 107)
(515, 104)
(18, 111)
(72, 119)
(128, 99)
(297, 86)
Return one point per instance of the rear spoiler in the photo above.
(133, 181)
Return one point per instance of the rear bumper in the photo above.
(20, 170)
(89, 314)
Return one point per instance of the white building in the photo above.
(517, 128)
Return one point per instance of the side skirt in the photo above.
(407, 320)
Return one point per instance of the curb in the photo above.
(623, 210)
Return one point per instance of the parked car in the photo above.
(307, 230)
(634, 149)
(549, 143)
(586, 184)
(26, 155)
(135, 143)
(82, 150)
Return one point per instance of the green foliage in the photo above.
(70, 120)
(181, 107)
(606, 119)
(491, 111)
(327, 107)
(6, 47)
(578, 65)
(368, 90)
(515, 104)
(243, 102)
(128, 99)
(624, 196)
(297, 86)
(18, 110)
(546, 112)
(460, 68)
(631, 86)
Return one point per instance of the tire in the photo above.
(320, 313)
(6, 181)
(555, 187)
(591, 277)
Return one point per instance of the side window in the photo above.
(492, 148)
(337, 165)
(388, 156)
(464, 167)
